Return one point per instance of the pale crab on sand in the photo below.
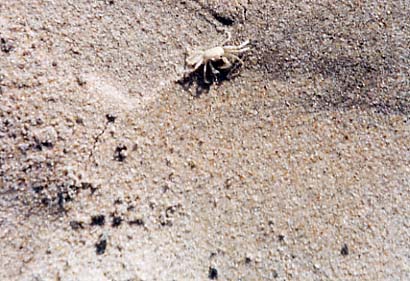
(228, 54)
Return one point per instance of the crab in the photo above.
(228, 54)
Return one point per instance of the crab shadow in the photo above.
(197, 84)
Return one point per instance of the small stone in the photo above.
(139, 222)
(76, 225)
(98, 220)
(110, 118)
(116, 221)
(213, 273)
(5, 46)
(81, 80)
(345, 250)
(101, 246)
(120, 153)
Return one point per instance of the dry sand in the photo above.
(295, 167)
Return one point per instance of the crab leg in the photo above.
(198, 64)
(235, 57)
(213, 69)
(243, 50)
(237, 51)
(227, 63)
(238, 47)
(243, 44)
(206, 79)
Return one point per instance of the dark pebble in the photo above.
(76, 225)
(213, 273)
(138, 222)
(345, 250)
(100, 246)
(98, 220)
(110, 118)
(116, 221)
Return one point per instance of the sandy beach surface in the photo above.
(294, 166)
